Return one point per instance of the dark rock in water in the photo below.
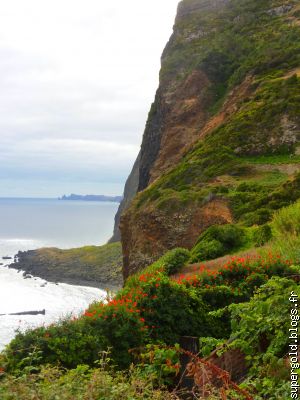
(6, 258)
(42, 312)
(1, 263)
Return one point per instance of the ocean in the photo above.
(27, 224)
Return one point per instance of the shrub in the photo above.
(259, 329)
(207, 250)
(258, 217)
(262, 235)
(161, 362)
(219, 296)
(252, 282)
(168, 309)
(237, 270)
(158, 309)
(175, 259)
(258, 339)
(287, 220)
(217, 241)
(69, 343)
(286, 229)
(82, 383)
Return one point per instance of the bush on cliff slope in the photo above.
(156, 309)
(217, 241)
(175, 259)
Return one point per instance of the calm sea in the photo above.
(32, 223)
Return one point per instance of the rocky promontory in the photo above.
(95, 266)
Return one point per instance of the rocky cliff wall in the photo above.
(225, 93)
(130, 190)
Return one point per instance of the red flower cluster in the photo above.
(138, 305)
(127, 307)
(236, 268)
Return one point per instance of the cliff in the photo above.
(221, 143)
(130, 190)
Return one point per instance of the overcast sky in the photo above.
(77, 78)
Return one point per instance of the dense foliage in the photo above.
(82, 383)
(216, 241)
(175, 259)
(158, 309)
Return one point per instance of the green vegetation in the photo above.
(175, 259)
(259, 330)
(256, 124)
(220, 240)
(247, 39)
(217, 241)
(82, 383)
(273, 159)
(150, 314)
(153, 310)
(285, 226)
(255, 323)
(230, 42)
(138, 326)
(89, 265)
(262, 235)
(126, 348)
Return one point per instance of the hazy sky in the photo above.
(77, 78)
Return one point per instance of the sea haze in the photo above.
(32, 223)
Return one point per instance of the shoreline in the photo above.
(98, 267)
(68, 281)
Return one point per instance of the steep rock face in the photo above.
(151, 140)
(130, 190)
(157, 232)
(228, 100)
(174, 124)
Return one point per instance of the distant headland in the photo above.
(92, 197)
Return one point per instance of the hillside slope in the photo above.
(222, 140)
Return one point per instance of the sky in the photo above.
(77, 78)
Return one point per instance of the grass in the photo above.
(286, 232)
(273, 159)
(82, 383)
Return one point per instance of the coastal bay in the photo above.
(54, 227)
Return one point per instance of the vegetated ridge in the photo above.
(221, 144)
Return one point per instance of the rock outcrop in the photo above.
(226, 92)
(95, 266)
